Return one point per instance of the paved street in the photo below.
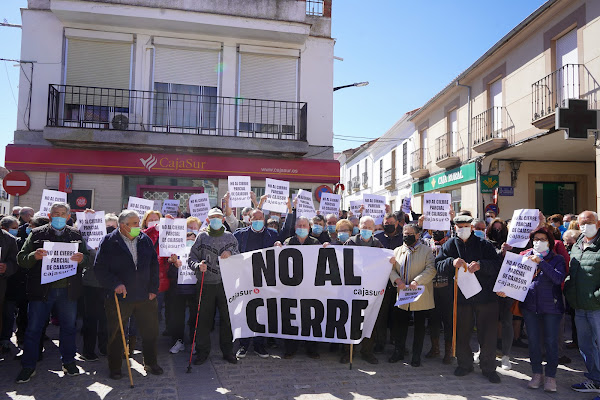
(275, 378)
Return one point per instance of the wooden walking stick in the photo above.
(351, 351)
(124, 341)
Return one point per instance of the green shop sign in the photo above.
(464, 173)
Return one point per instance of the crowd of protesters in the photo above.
(125, 268)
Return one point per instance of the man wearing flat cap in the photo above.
(475, 256)
(204, 256)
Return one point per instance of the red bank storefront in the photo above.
(104, 180)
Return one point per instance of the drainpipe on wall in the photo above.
(469, 121)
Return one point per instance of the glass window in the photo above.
(455, 197)
(185, 106)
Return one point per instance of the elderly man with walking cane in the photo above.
(126, 265)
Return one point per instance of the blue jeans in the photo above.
(259, 342)
(550, 323)
(38, 313)
(588, 335)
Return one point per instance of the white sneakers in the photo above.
(177, 347)
(476, 357)
(506, 363)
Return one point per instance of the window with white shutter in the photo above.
(567, 75)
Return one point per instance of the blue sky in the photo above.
(407, 50)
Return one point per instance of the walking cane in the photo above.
(189, 368)
(123, 337)
(351, 351)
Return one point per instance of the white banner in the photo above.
(185, 275)
(468, 283)
(436, 210)
(171, 236)
(330, 204)
(515, 276)
(278, 192)
(305, 206)
(239, 191)
(523, 222)
(355, 206)
(312, 293)
(406, 205)
(171, 207)
(199, 206)
(408, 295)
(140, 205)
(57, 264)
(375, 207)
(49, 197)
(92, 227)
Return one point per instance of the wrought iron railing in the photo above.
(572, 81)
(493, 123)
(355, 183)
(448, 145)
(419, 160)
(154, 111)
(388, 177)
(315, 7)
(365, 179)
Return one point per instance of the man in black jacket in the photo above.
(61, 294)
(126, 264)
(8, 263)
(476, 256)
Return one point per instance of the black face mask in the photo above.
(410, 239)
(109, 229)
(389, 228)
(438, 235)
(569, 247)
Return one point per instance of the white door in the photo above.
(496, 101)
(567, 78)
(453, 137)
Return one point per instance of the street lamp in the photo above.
(358, 84)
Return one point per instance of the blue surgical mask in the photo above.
(343, 236)
(366, 234)
(566, 224)
(59, 222)
(302, 232)
(258, 225)
(355, 230)
(275, 217)
(331, 228)
(190, 243)
(317, 229)
(28, 230)
(480, 234)
(13, 232)
(216, 224)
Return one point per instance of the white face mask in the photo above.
(463, 233)
(153, 223)
(589, 230)
(246, 218)
(539, 246)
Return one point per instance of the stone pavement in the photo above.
(300, 378)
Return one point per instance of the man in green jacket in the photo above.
(582, 293)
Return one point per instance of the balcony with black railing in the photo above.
(365, 179)
(355, 183)
(419, 166)
(167, 113)
(492, 129)
(449, 150)
(572, 81)
(389, 178)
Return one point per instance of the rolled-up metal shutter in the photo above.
(186, 67)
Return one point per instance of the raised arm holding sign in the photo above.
(239, 191)
(92, 227)
(330, 203)
(374, 207)
(436, 211)
(140, 205)
(305, 206)
(199, 206)
(523, 222)
(48, 198)
(277, 193)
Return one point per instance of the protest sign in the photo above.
(406, 205)
(185, 275)
(49, 197)
(523, 222)
(515, 276)
(355, 206)
(278, 193)
(57, 264)
(92, 227)
(157, 205)
(408, 295)
(305, 206)
(199, 206)
(330, 204)
(468, 283)
(171, 236)
(239, 191)
(330, 294)
(375, 207)
(436, 211)
(171, 207)
(140, 205)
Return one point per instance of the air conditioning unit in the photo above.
(119, 121)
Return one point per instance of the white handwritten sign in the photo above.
(305, 206)
(239, 191)
(92, 227)
(170, 206)
(330, 203)
(355, 206)
(57, 264)
(278, 193)
(375, 207)
(157, 205)
(436, 211)
(171, 236)
(515, 276)
(408, 295)
(406, 205)
(523, 222)
(199, 206)
(48, 198)
(140, 205)
(185, 275)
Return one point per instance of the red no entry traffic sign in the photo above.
(16, 183)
